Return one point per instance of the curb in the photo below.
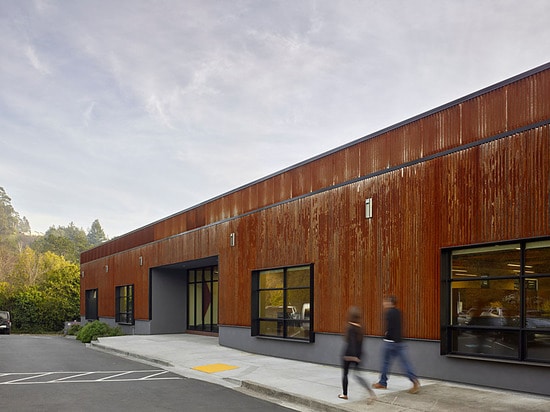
(310, 403)
(102, 348)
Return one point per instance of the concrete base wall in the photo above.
(141, 327)
(424, 356)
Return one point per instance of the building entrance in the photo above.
(202, 299)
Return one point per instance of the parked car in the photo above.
(537, 319)
(495, 317)
(5, 322)
(464, 317)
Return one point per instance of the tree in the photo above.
(9, 218)
(46, 304)
(61, 288)
(96, 235)
(8, 258)
(31, 268)
(24, 226)
(10, 222)
(68, 241)
(14, 234)
(40, 285)
(8, 235)
(26, 270)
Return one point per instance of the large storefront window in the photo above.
(203, 299)
(282, 303)
(498, 301)
(125, 304)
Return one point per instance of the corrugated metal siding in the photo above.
(481, 193)
(125, 242)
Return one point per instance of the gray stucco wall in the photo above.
(168, 301)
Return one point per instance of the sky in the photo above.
(130, 111)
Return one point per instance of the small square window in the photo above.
(282, 303)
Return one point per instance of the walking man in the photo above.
(393, 346)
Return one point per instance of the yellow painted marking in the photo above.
(215, 367)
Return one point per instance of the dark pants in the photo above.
(392, 350)
(360, 379)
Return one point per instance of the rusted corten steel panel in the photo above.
(125, 242)
(371, 155)
(231, 205)
(249, 198)
(473, 194)
(441, 130)
(171, 225)
(528, 100)
(498, 190)
(484, 116)
(346, 165)
(266, 192)
(417, 210)
(213, 211)
(301, 180)
(322, 173)
(282, 187)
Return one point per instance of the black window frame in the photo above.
(195, 277)
(516, 327)
(284, 322)
(91, 304)
(126, 299)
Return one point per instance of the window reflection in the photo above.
(483, 342)
(500, 301)
(537, 302)
(537, 258)
(495, 303)
(538, 346)
(282, 302)
(486, 262)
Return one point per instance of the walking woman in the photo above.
(353, 352)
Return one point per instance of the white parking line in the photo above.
(73, 376)
(153, 375)
(35, 378)
(115, 376)
(32, 376)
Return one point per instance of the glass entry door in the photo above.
(203, 299)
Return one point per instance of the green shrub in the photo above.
(96, 329)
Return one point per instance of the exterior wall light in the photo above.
(368, 208)
(106, 268)
(141, 260)
(232, 239)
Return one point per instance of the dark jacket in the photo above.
(393, 325)
(354, 341)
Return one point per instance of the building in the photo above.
(449, 211)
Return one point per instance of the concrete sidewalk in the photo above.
(305, 386)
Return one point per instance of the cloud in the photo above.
(129, 111)
(40, 66)
(88, 113)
